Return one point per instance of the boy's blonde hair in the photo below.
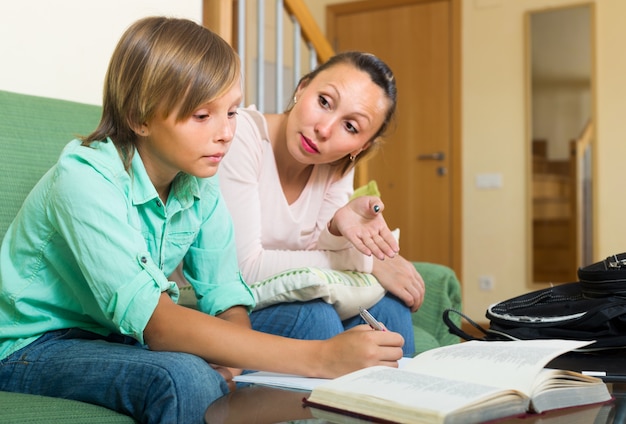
(160, 64)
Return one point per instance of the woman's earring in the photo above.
(352, 157)
(295, 100)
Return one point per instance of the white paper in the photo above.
(289, 381)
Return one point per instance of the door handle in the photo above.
(432, 156)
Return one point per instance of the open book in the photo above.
(469, 382)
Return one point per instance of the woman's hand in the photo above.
(399, 277)
(362, 223)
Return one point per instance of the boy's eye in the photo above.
(233, 114)
(201, 116)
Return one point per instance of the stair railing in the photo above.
(271, 70)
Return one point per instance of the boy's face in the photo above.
(195, 145)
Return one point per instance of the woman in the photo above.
(86, 309)
(288, 181)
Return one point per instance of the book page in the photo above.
(510, 364)
(377, 389)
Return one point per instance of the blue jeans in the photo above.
(115, 372)
(317, 320)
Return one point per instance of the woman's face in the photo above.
(336, 114)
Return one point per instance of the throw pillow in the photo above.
(345, 290)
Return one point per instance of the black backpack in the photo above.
(593, 308)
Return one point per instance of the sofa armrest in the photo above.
(443, 291)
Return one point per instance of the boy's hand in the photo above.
(228, 374)
(358, 348)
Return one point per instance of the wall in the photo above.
(560, 114)
(62, 48)
(611, 132)
(64, 51)
(561, 75)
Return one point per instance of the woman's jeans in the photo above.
(317, 320)
(117, 373)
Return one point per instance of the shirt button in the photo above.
(158, 203)
(144, 260)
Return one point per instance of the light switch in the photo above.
(489, 181)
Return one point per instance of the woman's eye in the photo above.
(351, 128)
(323, 102)
(233, 114)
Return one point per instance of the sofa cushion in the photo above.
(23, 408)
(33, 131)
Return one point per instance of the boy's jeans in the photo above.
(115, 372)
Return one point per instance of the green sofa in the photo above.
(33, 130)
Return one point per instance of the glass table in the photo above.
(268, 405)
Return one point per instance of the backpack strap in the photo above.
(453, 328)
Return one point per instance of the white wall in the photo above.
(61, 48)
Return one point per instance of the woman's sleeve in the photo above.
(344, 255)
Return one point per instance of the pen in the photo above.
(370, 319)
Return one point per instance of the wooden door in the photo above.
(418, 168)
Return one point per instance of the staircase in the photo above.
(554, 232)
(562, 214)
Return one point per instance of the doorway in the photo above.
(418, 169)
(562, 136)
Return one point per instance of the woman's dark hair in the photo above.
(381, 75)
(160, 64)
